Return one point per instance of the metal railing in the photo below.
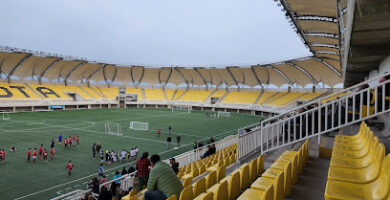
(318, 117)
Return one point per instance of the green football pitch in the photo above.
(44, 180)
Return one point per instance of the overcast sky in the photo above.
(153, 33)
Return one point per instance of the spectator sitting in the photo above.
(94, 185)
(124, 171)
(131, 170)
(163, 181)
(174, 165)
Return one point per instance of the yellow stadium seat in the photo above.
(377, 189)
(195, 95)
(244, 97)
(219, 190)
(352, 153)
(252, 194)
(244, 176)
(211, 179)
(133, 198)
(253, 169)
(263, 183)
(272, 172)
(14, 91)
(233, 181)
(186, 193)
(205, 196)
(359, 175)
(260, 164)
(199, 186)
(291, 157)
(187, 181)
(221, 173)
(265, 96)
(154, 94)
(195, 172)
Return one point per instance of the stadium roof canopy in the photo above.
(314, 20)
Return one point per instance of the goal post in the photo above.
(140, 126)
(176, 108)
(5, 115)
(112, 128)
(223, 114)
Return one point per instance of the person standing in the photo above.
(169, 130)
(28, 155)
(40, 151)
(94, 150)
(66, 143)
(163, 181)
(101, 170)
(142, 167)
(34, 156)
(158, 132)
(178, 138)
(59, 138)
(52, 151)
(169, 140)
(44, 155)
(78, 140)
(69, 168)
(52, 143)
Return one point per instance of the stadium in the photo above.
(312, 127)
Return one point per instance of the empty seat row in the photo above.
(275, 182)
(359, 168)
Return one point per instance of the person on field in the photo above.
(44, 155)
(94, 150)
(59, 138)
(142, 167)
(2, 156)
(101, 170)
(78, 140)
(69, 168)
(52, 143)
(169, 140)
(163, 181)
(158, 132)
(28, 155)
(34, 155)
(52, 151)
(40, 151)
(178, 138)
(66, 143)
(70, 142)
(169, 130)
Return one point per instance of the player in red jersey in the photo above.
(158, 132)
(44, 155)
(40, 151)
(66, 143)
(52, 151)
(78, 140)
(69, 167)
(70, 141)
(28, 155)
(2, 156)
(34, 154)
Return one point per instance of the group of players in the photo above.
(43, 153)
(113, 157)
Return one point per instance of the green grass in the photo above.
(46, 180)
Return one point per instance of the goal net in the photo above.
(141, 126)
(181, 109)
(113, 128)
(5, 115)
(223, 114)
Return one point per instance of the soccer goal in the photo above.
(176, 108)
(223, 114)
(5, 115)
(140, 126)
(113, 128)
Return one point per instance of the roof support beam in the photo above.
(234, 78)
(279, 72)
(47, 69)
(169, 76)
(102, 66)
(182, 76)
(318, 34)
(303, 71)
(142, 75)
(17, 66)
(107, 80)
(131, 76)
(71, 72)
(329, 66)
(257, 77)
(317, 18)
(203, 79)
